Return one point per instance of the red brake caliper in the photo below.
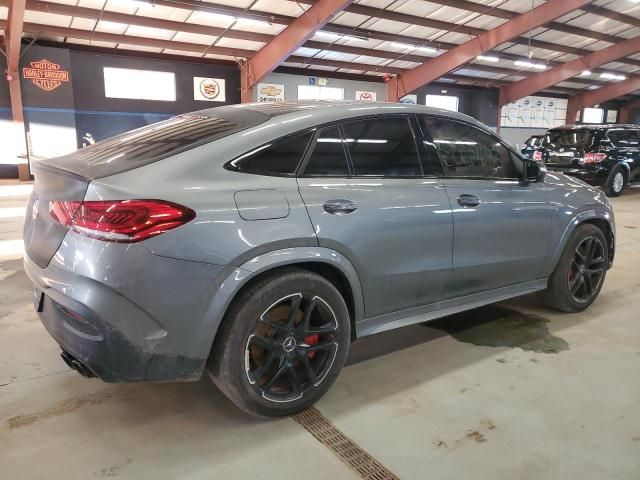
(311, 340)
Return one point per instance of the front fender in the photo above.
(239, 277)
(598, 213)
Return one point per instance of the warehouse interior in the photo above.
(507, 390)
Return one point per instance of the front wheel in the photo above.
(579, 275)
(281, 344)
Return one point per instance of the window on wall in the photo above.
(317, 92)
(139, 84)
(446, 102)
(592, 115)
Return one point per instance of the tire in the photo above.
(561, 292)
(249, 340)
(615, 182)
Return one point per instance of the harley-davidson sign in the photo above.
(45, 74)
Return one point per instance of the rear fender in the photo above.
(250, 269)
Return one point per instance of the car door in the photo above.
(369, 198)
(501, 226)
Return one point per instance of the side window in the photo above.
(623, 138)
(328, 157)
(467, 151)
(280, 157)
(382, 146)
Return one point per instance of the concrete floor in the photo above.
(508, 391)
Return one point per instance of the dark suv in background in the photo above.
(530, 146)
(607, 156)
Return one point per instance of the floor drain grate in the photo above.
(349, 452)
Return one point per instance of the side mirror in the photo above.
(533, 172)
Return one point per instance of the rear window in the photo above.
(570, 138)
(533, 141)
(152, 143)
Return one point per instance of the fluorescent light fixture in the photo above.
(612, 76)
(407, 46)
(322, 33)
(527, 64)
(337, 36)
(585, 73)
(488, 58)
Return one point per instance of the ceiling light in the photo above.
(337, 36)
(585, 73)
(527, 64)
(612, 76)
(487, 58)
(407, 46)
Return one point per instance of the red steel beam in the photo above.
(564, 71)
(577, 103)
(284, 44)
(440, 66)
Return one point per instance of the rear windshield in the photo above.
(152, 143)
(533, 141)
(570, 138)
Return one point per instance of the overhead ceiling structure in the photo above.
(601, 95)
(370, 38)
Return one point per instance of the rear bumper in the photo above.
(127, 315)
(105, 351)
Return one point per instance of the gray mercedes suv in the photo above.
(256, 241)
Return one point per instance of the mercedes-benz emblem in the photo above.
(34, 209)
(289, 344)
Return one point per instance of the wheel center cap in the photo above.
(289, 344)
(582, 268)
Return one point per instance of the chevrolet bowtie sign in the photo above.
(45, 74)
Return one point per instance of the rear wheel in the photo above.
(282, 343)
(580, 272)
(615, 182)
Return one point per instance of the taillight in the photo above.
(125, 221)
(594, 157)
(537, 156)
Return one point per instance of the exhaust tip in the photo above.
(74, 364)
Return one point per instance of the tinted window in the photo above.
(624, 138)
(154, 142)
(280, 157)
(467, 151)
(328, 157)
(570, 138)
(382, 146)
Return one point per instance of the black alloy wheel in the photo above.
(292, 348)
(587, 269)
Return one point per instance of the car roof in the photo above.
(328, 110)
(596, 126)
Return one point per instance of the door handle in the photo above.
(339, 206)
(467, 200)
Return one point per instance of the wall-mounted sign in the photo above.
(209, 89)
(270, 92)
(322, 81)
(312, 80)
(45, 74)
(612, 116)
(365, 96)
(412, 99)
